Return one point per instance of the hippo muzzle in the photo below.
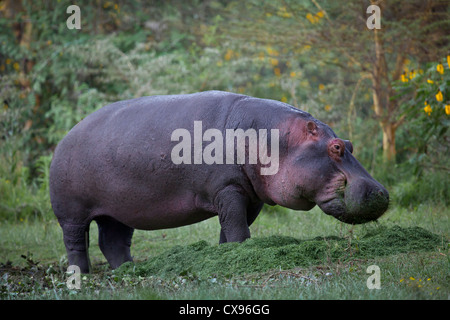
(355, 199)
(365, 200)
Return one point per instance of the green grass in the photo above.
(33, 260)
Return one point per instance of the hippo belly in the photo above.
(154, 210)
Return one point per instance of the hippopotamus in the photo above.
(132, 165)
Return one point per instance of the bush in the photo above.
(60, 77)
(431, 187)
(22, 198)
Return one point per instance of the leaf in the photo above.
(37, 87)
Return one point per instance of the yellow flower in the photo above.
(327, 107)
(282, 12)
(16, 66)
(228, 55)
(8, 61)
(412, 278)
(321, 86)
(439, 96)
(404, 78)
(440, 68)
(401, 280)
(448, 61)
(277, 71)
(447, 109)
(292, 74)
(311, 18)
(320, 14)
(272, 51)
(428, 110)
(430, 81)
(274, 61)
(283, 99)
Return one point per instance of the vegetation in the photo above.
(279, 252)
(333, 264)
(386, 90)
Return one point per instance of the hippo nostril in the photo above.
(383, 194)
(377, 194)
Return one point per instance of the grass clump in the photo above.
(254, 255)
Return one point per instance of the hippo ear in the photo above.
(348, 145)
(311, 127)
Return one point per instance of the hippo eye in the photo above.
(336, 149)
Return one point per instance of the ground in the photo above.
(292, 255)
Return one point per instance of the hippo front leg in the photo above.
(232, 207)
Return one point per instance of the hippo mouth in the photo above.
(334, 206)
(358, 202)
(332, 200)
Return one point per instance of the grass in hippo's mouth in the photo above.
(257, 255)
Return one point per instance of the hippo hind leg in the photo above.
(114, 239)
(76, 241)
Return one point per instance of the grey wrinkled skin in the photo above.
(115, 167)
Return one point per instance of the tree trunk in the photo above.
(388, 141)
(384, 108)
(23, 34)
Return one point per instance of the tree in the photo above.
(411, 34)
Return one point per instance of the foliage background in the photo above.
(315, 55)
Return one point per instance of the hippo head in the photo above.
(316, 167)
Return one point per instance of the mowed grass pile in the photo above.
(203, 260)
